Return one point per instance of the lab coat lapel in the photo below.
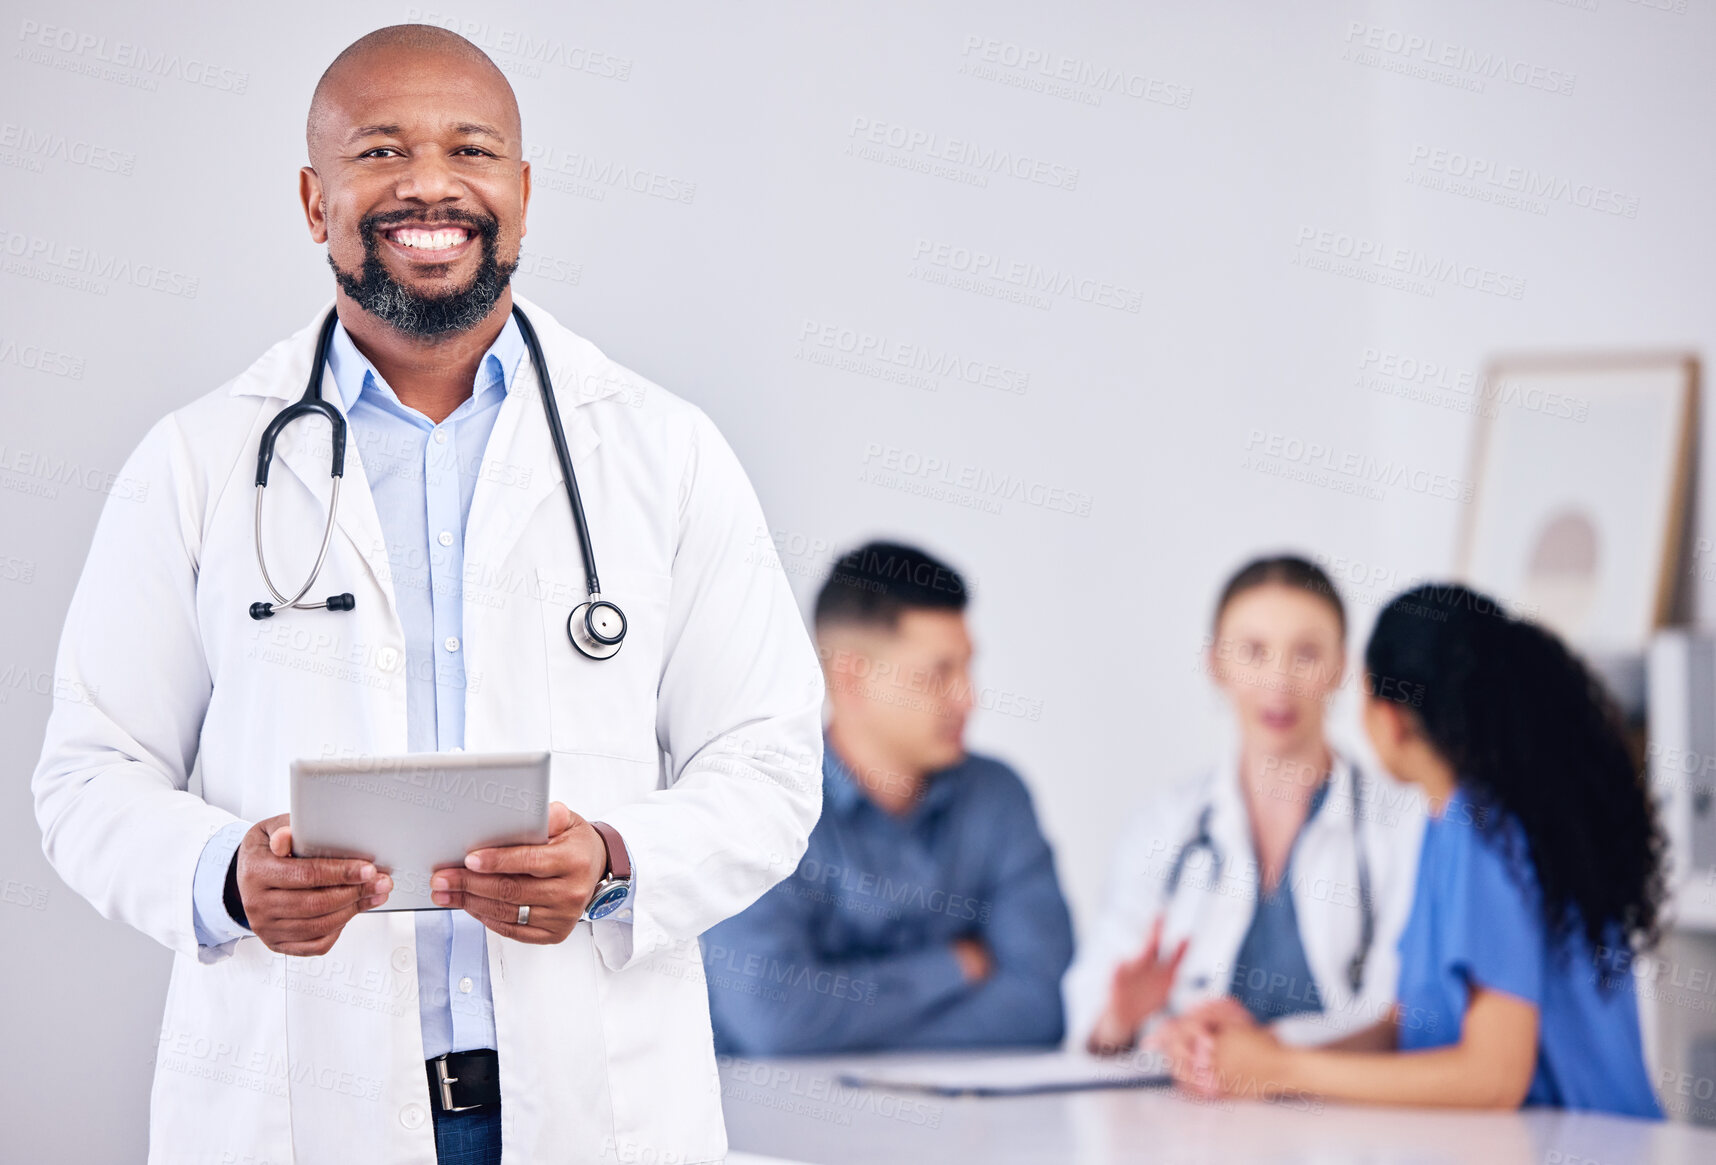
(520, 471)
(1219, 913)
(1230, 824)
(1327, 897)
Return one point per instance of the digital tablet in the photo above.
(417, 813)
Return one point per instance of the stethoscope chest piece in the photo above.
(597, 628)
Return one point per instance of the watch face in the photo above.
(609, 900)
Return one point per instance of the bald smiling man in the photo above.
(553, 1003)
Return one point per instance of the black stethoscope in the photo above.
(1201, 840)
(596, 626)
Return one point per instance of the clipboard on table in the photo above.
(1020, 1074)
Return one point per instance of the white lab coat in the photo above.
(1215, 912)
(700, 741)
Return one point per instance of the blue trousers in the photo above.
(468, 1138)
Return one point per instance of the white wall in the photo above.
(1250, 126)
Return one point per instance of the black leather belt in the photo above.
(459, 1081)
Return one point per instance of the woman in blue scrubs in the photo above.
(1539, 878)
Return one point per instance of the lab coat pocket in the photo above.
(605, 707)
(662, 1074)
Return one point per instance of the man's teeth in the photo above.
(429, 240)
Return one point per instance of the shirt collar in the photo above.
(354, 374)
(841, 791)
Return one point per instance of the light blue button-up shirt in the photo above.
(422, 477)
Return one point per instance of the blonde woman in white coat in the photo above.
(1282, 875)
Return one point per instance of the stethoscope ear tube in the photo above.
(345, 602)
(308, 404)
(1367, 906)
(265, 451)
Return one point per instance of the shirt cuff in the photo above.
(214, 926)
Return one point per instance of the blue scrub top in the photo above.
(1476, 919)
(1271, 976)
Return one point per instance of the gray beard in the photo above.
(424, 316)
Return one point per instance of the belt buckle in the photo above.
(446, 1083)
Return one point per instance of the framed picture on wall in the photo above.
(1580, 478)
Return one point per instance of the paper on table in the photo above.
(1014, 1074)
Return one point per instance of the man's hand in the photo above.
(1138, 989)
(298, 906)
(554, 879)
(975, 961)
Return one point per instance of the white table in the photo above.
(795, 1109)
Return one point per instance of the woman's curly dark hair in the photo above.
(1535, 736)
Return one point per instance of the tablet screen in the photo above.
(416, 813)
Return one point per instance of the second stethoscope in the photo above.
(1201, 840)
(596, 626)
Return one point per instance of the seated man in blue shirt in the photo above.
(926, 912)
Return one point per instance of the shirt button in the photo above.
(440, 436)
(386, 658)
(412, 1115)
(465, 984)
(445, 538)
(452, 643)
(402, 958)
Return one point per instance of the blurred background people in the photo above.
(1540, 880)
(926, 911)
(1282, 875)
